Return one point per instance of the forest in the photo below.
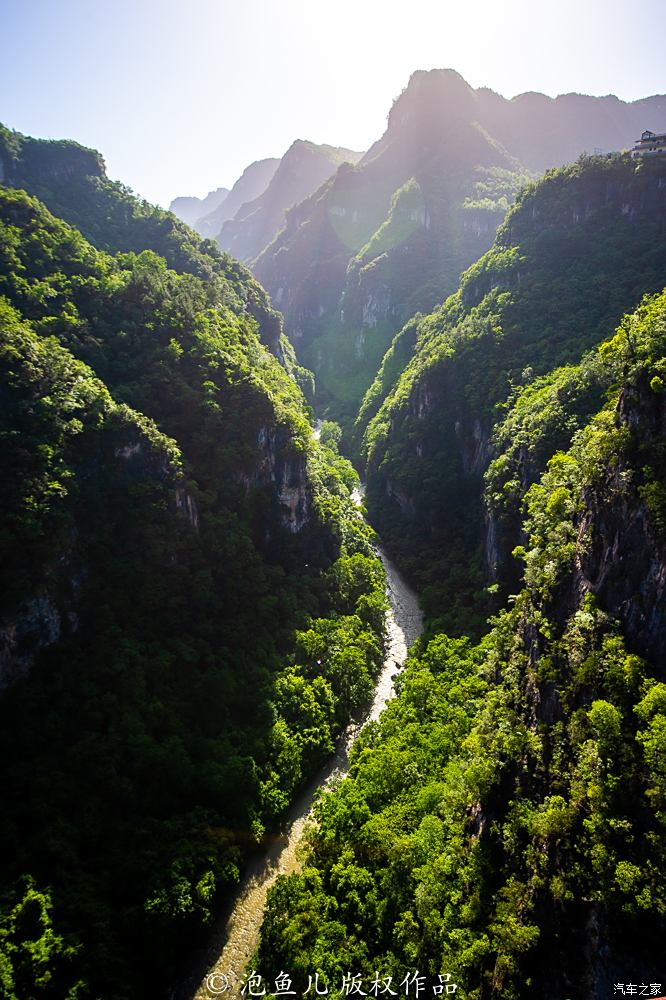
(190, 664)
(513, 793)
(449, 350)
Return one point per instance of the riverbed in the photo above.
(236, 938)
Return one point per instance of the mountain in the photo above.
(544, 132)
(72, 182)
(503, 829)
(192, 607)
(175, 543)
(302, 169)
(578, 250)
(252, 182)
(390, 237)
(190, 209)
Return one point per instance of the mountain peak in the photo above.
(438, 92)
(24, 157)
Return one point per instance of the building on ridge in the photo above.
(650, 144)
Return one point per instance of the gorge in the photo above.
(199, 629)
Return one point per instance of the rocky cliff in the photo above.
(171, 530)
(250, 185)
(391, 237)
(525, 308)
(55, 508)
(505, 818)
(303, 168)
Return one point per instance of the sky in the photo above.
(180, 96)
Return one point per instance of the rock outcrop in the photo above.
(391, 236)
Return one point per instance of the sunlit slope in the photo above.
(190, 607)
(580, 247)
(503, 825)
(303, 168)
(391, 237)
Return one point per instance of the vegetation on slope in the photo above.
(580, 247)
(195, 616)
(71, 181)
(389, 237)
(392, 236)
(303, 168)
(504, 822)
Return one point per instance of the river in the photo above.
(235, 938)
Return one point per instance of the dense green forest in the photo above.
(503, 824)
(71, 181)
(578, 250)
(191, 608)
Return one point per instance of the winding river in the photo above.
(234, 940)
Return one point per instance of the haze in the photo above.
(180, 97)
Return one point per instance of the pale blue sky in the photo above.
(180, 96)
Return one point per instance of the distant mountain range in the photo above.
(301, 171)
(192, 606)
(247, 218)
(351, 246)
(390, 236)
(252, 182)
(191, 209)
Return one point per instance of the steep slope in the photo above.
(73, 461)
(303, 168)
(578, 249)
(391, 237)
(250, 185)
(159, 598)
(191, 209)
(544, 132)
(71, 181)
(503, 828)
(388, 237)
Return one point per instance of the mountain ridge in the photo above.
(190, 209)
(577, 250)
(302, 169)
(252, 182)
(469, 152)
(172, 539)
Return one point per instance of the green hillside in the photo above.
(191, 607)
(580, 248)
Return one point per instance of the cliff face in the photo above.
(595, 565)
(595, 513)
(65, 442)
(523, 775)
(36, 625)
(579, 249)
(285, 470)
(302, 169)
(173, 541)
(250, 185)
(391, 237)
(52, 605)
(191, 209)
(621, 556)
(260, 474)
